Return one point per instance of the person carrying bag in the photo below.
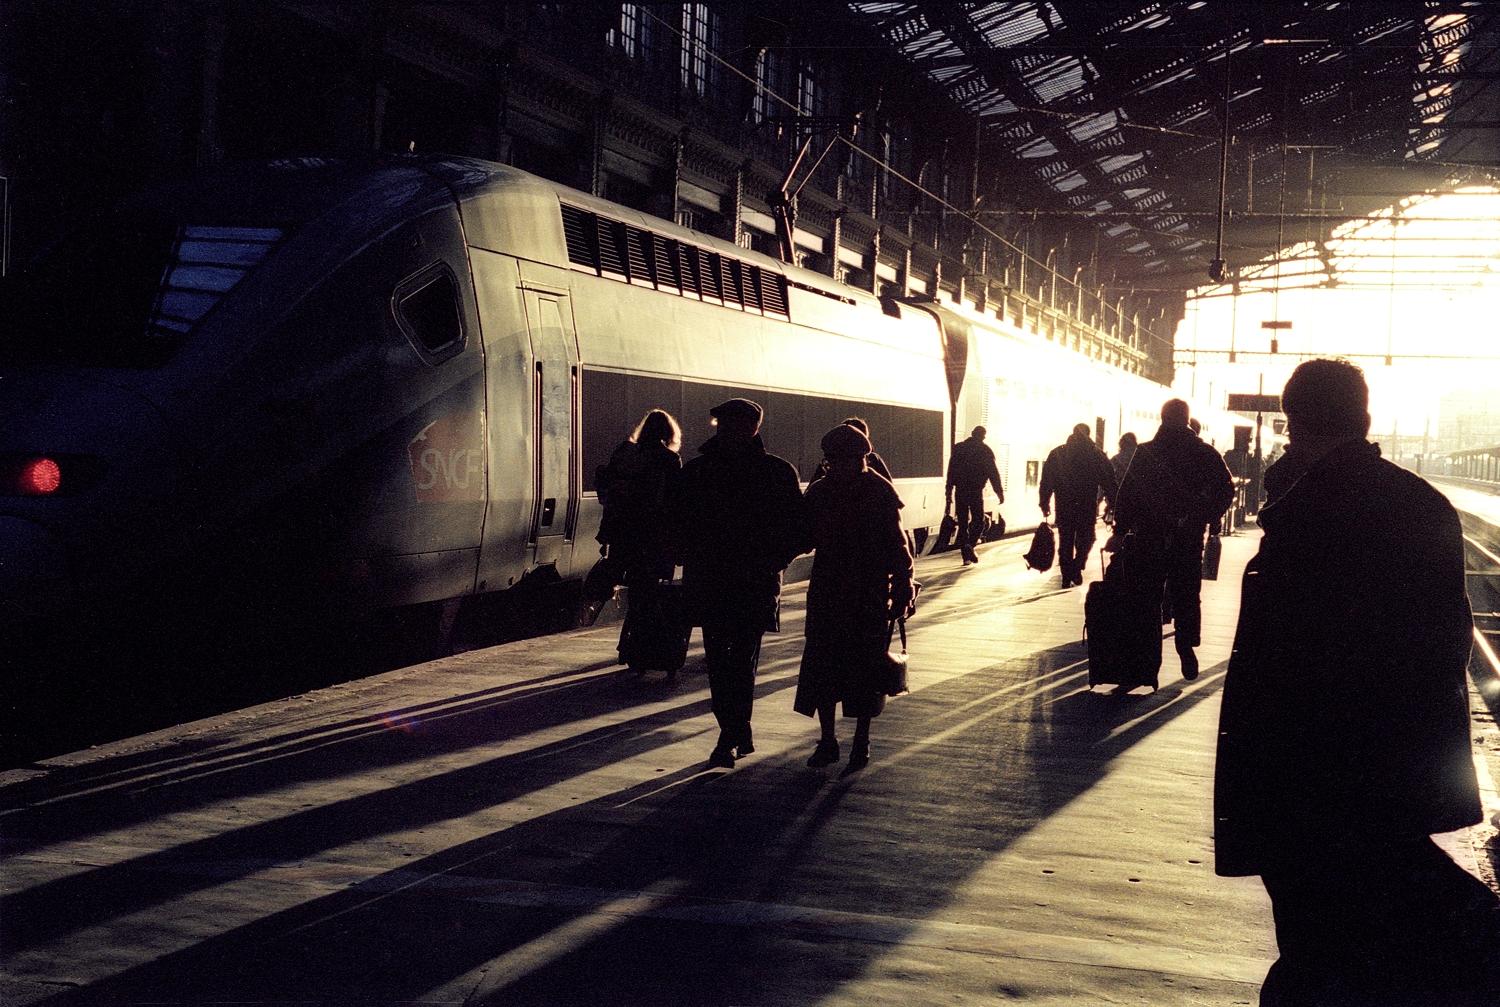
(860, 592)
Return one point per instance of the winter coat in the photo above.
(854, 522)
(738, 521)
(971, 465)
(1076, 473)
(1345, 712)
(635, 487)
(1174, 480)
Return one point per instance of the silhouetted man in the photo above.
(1176, 487)
(1344, 732)
(1076, 473)
(740, 523)
(1121, 462)
(970, 466)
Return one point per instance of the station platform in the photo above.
(527, 824)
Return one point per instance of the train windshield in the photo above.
(124, 293)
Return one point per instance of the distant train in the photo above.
(388, 383)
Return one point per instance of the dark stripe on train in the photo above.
(909, 439)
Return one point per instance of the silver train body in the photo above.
(356, 387)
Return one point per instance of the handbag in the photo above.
(1043, 548)
(1212, 550)
(947, 529)
(893, 663)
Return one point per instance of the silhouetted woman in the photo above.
(634, 488)
(861, 579)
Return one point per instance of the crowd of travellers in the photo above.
(1343, 742)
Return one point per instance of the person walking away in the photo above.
(739, 520)
(634, 487)
(1344, 734)
(1175, 488)
(873, 461)
(1121, 461)
(861, 581)
(970, 467)
(1076, 474)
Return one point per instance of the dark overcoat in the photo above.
(854, 520)
(635, 487)
(1076, 473)
(738, 519)
(1174, 480)
(1345, 714)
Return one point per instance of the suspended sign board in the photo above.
(1254, 403)
(1276, 325)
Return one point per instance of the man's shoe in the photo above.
(721, 758)
(745, 747)
(826, 754)
(1189, 663)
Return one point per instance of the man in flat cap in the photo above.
(740, 522)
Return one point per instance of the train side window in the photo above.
(427, 310)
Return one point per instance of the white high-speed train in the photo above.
(376, 384)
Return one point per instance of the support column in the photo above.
(215, 29)
(596, 146)
(836, 229)
(737, 210)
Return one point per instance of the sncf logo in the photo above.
(447, 459)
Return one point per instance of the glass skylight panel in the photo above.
(1060, 77)
(1021, 25)
(1115, 162)
(1118, 229)
(1040, 147)
(1085, 129)
(994, 104)
(1068, 182)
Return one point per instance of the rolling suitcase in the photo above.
(656, 633)
(1121, 620)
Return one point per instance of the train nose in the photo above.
(34, 582)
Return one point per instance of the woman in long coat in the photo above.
(634, 487)
(861, 580)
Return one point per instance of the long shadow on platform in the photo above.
(560, 909)
(188, 754)
(108, 795)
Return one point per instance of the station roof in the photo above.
(1112, 113)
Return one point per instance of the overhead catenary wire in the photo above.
(880, 163)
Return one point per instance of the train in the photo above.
(359, 385)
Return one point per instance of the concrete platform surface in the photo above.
(526, 824)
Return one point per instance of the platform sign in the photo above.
(1254, 403)
(1278, 324)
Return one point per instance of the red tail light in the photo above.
(39, 477)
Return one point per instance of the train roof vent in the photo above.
(772, 292)
(578, 231)
(668, 265)
(636, 252)
(611, 246)
(709, 268)
(733, 283)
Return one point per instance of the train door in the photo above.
(554, 422)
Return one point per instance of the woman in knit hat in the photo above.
(861, 580)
